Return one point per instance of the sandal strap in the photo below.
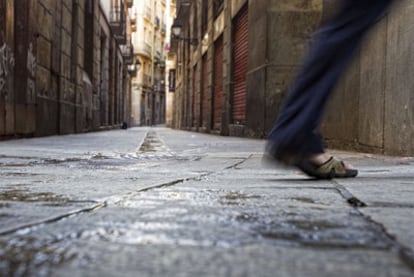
(333, 168)
(332, 163)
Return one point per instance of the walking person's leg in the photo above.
(295, 139)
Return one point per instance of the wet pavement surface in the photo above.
(161, 202)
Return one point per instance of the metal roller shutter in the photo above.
(218, 83)
(203, 96)
(240, 56)
(195, 97)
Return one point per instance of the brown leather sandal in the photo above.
(332, 168)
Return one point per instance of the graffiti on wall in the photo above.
(6, 65)
(31, 67)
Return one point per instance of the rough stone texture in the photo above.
(43, 81)
(372, 108)
(341, 120)
(46, 107)
(255, 102)
(399, 99)
(372, 88)
(289, 50)
(163, 202)
(278, 82)
(275, 49)
(49, 96)
(43, 53)
(7, 94)
(256, 76)
(45, 19)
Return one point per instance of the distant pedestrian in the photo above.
(295, 139)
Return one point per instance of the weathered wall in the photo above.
(399, 67)
(275, 50)
(104, 70)
(373, 106)
(279, 34)
(49, 65)
(7, 65)
(25, 70)
(61, 69)
(341, 121)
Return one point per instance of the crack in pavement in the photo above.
(52, 219)
(113, 199)
(349, 197)
(405, 253)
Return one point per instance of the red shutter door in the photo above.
(196, 92)
(240, 56)
(218, 84)
(203, 96)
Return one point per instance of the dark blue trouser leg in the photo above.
(295, 131)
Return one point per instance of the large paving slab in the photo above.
(160, 202)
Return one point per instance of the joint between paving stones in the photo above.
(405, 254)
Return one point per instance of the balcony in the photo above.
(127, 52)
(143, 49)
(129, 3)
(117, 21)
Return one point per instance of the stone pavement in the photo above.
(162, 202)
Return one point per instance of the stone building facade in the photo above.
(234, 80)
(62, 66)
(149, 40)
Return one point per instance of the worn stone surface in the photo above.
(174, 203)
